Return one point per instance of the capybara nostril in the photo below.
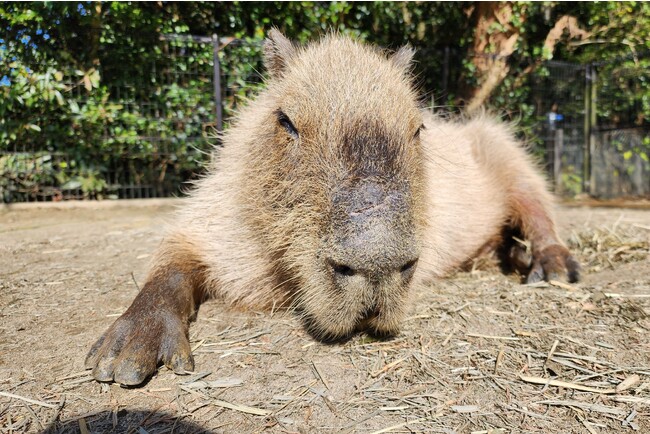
(407, 270)
(341, 269)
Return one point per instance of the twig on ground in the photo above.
(31, 401)
(567, 385)
(598, 408)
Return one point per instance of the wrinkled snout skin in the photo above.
(373, 231)
(368, 257)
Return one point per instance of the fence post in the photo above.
(217, 82)
(593, 121)
(586, 148)
(558, 149)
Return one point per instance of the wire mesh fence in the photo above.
(557, 94)
(154, 130)
(142, 137)
(241, 70)
(593, 121)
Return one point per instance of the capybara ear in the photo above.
(403, 58)
(278, 50)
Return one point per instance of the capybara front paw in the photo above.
(553, 263)
(131, 349)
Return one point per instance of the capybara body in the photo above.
(334, 195)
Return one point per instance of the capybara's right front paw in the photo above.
(551, 263)
(131, 349)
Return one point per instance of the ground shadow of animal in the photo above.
(127, 421)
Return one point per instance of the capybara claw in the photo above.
(90, 361)
(554, 263)
(573, 269)
(553, 276)
(131, 373)
(181, 364)
(103, 371)
(536, 274)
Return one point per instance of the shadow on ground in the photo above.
(127, 421)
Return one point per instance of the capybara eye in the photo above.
(284, 120)
(417, 133)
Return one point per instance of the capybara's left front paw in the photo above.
(553, 263)
(130, 350)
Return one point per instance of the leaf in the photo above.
(87, 84)
(94, 78)
(629, 382)
(72, 184)
(74, 107)
(59, 97)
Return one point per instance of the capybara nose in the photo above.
(408, 269)
(342, 269)
(372, 233)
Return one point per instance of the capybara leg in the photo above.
(551, 259)
(154, 328)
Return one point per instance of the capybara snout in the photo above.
(373, 233)
(369, 255)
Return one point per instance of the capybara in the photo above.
(334, 194)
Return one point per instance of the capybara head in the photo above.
(337, 169)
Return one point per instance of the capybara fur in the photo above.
(334, 194)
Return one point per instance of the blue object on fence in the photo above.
(554, 118)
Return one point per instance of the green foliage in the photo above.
(86, 87)
(241, 66)
(72, 115)
(571, 181)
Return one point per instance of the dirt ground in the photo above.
(479, 353)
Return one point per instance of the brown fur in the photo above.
(329, 197)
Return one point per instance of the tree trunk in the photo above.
(495, 38)
(95, 32)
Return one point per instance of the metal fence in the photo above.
(175, 101)
(593, 122)
(558, 97)
(589, 126)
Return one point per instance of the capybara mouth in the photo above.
(372, 324)
(369, 322)
(320, 333)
